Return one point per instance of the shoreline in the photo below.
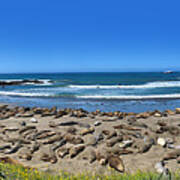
(79, 141)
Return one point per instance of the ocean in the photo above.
(127, 92)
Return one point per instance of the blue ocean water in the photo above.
(129, 92)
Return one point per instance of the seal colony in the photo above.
(80, 141)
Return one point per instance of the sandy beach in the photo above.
(77, 141)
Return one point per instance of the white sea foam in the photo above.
(133, 97)
(11, 93)
(158, 84)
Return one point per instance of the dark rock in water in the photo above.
(20, 82)
(116, 163)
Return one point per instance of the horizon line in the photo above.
(87, 72)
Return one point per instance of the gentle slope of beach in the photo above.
(79, 141)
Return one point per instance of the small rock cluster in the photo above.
(52, 135)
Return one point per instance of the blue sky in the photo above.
(89, 35)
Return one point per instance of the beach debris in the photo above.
(125, 144)
(162, 142)
(97, 123)
(116, 163)
(33, 120)
(23, 123)
(160, 168)
(157, 115)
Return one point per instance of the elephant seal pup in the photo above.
(116, 163)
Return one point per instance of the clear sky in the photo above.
(89, 35)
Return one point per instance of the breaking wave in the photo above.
(133, 97)
(159, 84)
(8, 93)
